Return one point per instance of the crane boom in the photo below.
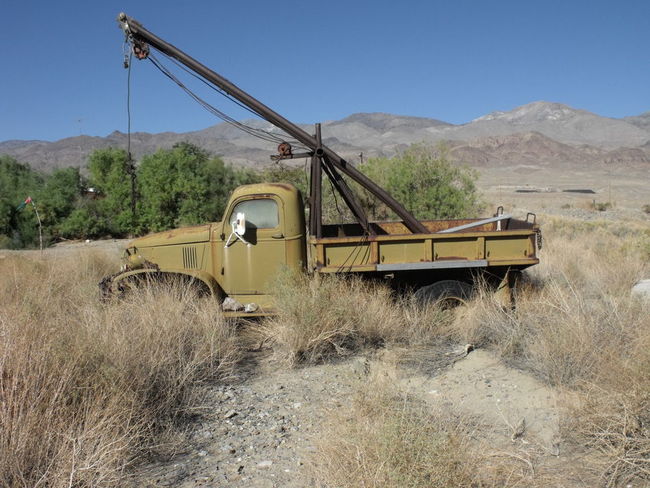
(322, 156)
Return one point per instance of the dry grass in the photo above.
(389, 438)
(86, 388)
(613, 416)
(330, 316)
(577, 326)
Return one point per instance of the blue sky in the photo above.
(314, 61)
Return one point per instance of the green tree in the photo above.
(109, 175)
(59, 197)
(184, 186)
(85, 222)
(281, 173)
(17, 181)
(425, 182)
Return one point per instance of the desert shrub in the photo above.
(613, 415)
(281, 173)
(387, 438)
(320, 317)
(426, 182)
(17, 182)
(184, 185)
(577, 326)
(84, 222)
(110, 175)
(646, 208)
(86, 388)
(602, 206)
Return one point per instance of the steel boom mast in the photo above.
(135, 31)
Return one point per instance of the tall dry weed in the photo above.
(387, 437)
(321, 317)
(85, 388)
(573, 310)
(612, 415)
(390, 439)
(577, 326)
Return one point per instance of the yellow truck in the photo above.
(265, 229)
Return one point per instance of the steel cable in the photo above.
(259, 133)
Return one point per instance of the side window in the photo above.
(260, 214)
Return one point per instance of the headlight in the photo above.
(131, 259)
(135, 261)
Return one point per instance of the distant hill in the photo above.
(548, 133)
(642, 121)
(532, 149)
(559, 122)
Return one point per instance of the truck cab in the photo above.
(262, 231)
(271, 235)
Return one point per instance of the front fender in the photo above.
(112, 285)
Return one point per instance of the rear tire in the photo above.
(446, 293)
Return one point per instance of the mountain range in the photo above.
(539, 133)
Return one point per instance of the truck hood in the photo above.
(184, 235)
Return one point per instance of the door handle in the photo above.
(280, 235)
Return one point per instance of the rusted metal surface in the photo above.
(480, 246)
(284, 186)
(106, 287)
(284, 150)
(472, 225)
(140, 49)
(198, 233)
(278, 157)
(432, 226)
(315, 200)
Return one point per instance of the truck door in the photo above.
(250, 263)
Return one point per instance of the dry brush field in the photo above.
(88, 391)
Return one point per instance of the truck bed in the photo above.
(344, 248)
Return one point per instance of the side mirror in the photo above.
(239, 226)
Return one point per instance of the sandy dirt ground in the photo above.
(627, 189)
(515, 404)
(260, 430)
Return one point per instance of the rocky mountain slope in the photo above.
(534, 148)
(548, 133)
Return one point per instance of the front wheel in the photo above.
(446, 293)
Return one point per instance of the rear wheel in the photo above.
(446, 293)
